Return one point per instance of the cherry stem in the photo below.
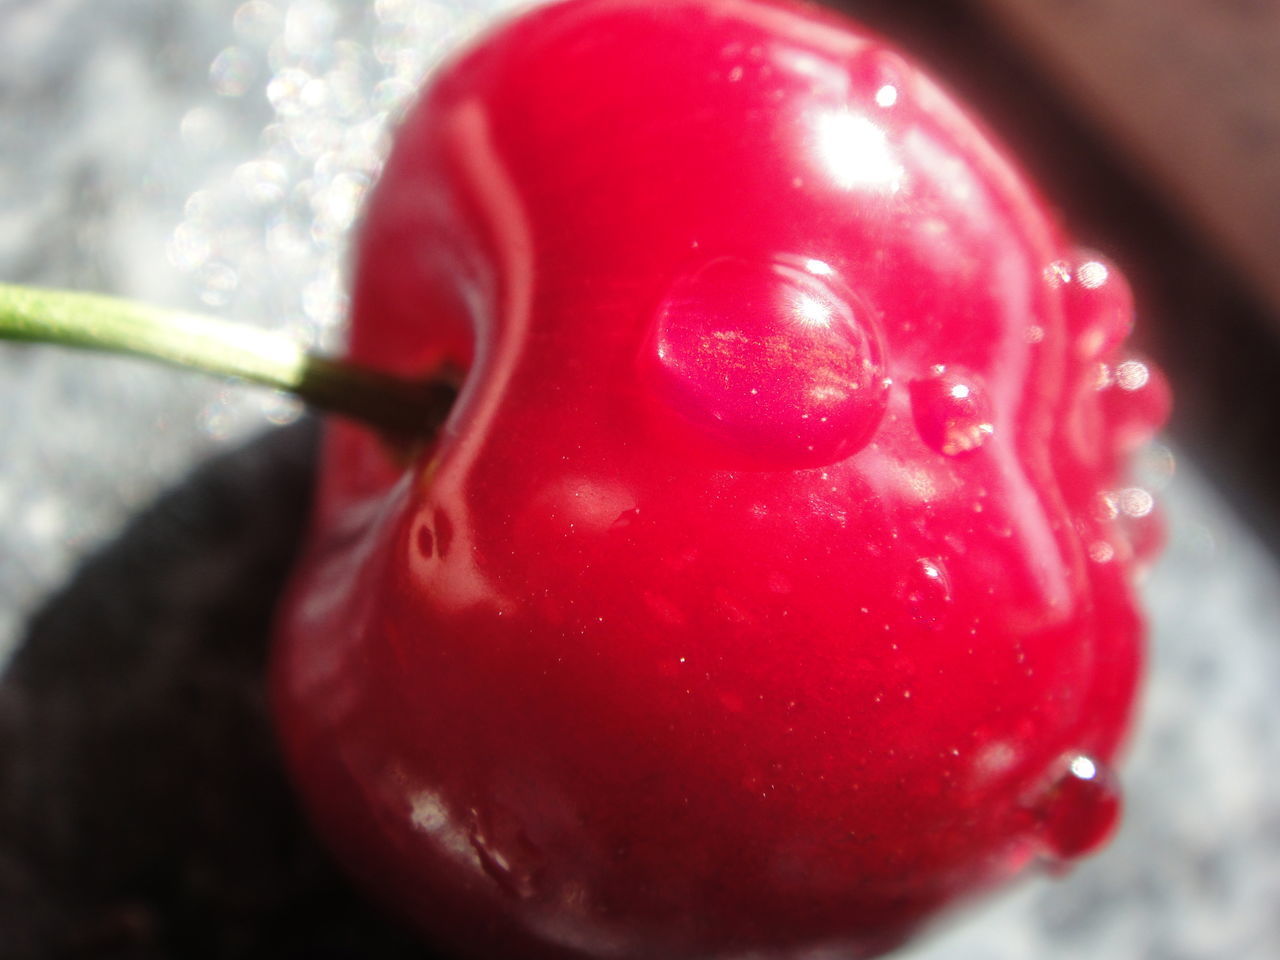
(395, 405)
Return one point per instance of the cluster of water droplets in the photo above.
(1077, 805)
(267, 240)
(1131, 402)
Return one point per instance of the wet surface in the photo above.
(182, 157)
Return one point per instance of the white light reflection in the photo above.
(855, 152)
(887, 96)
(812, 312)
(1136, 502)
(429, 814)
(1132, 375)
(1101, 552)
(1092, 275)
(1083, 768)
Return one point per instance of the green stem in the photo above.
(90, 321)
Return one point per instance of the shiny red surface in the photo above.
(768, 588)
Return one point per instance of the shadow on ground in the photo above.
(143, 810)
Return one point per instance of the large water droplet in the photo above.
(776, 360)
(951, 411)
(1079, 809)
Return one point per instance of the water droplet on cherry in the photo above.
(1132, 375)
(1135, 502)
(951, 411)
(927, 590)
(1097, 303)
(1135, 401)
(1100, 551)
(777, 360)
(1079, 809)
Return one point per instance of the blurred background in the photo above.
(212, 154)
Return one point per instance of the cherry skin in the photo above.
(766, 591)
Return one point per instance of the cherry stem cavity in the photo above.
(397, 406)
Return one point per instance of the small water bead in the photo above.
(776, 360)
(1135, 501)
(1101, 552)
(1135, 401)
(1079, 809)
(951, 411)
(885, 76)
(1092, 274)
(1132, 375)
(1137, 525)
(927, 590)
(1097, 303)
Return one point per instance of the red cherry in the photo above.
(760, 595)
